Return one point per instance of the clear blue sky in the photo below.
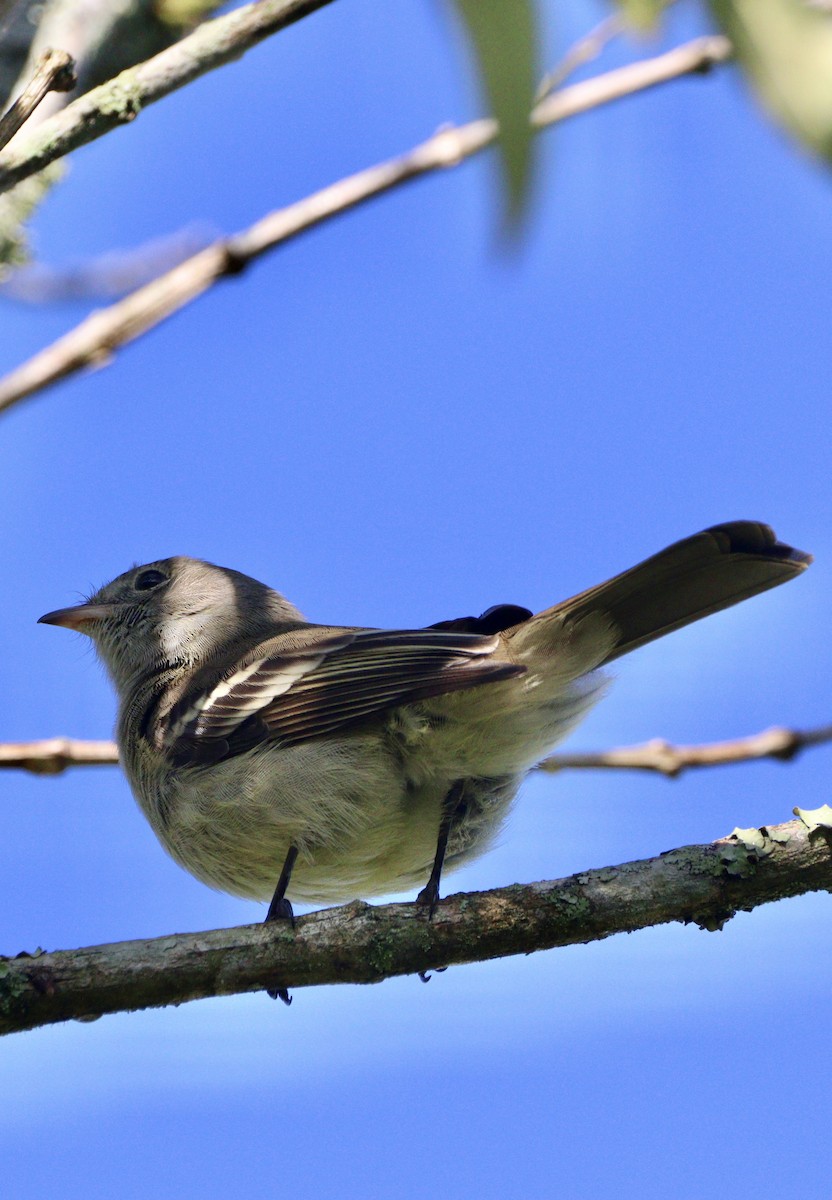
(393, 423)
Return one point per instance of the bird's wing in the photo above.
(289, 693)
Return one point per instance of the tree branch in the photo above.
(53, 755)
(659, 755)
(587, 48)
(120, 100)
(55, 72)
(93, 342)
(359, 943)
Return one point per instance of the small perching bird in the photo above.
(275, 757)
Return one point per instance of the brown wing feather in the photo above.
(290, 694)
(379, 670)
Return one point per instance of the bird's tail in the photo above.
(692, 578)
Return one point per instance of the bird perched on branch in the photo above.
(277, 758)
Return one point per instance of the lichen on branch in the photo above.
(360, 943)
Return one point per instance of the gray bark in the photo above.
(359, 943)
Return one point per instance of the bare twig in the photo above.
(93, 342)
(696, 57)
(661, 756)
(53, 755)
(358, 943)
(55, 72)
(121, 99)
(584, 51)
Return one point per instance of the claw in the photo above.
(279, 994)
(429, 896)
(280, 910)
(426, 977)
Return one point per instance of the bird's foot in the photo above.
(280, 909)
(426, 976)
(429, 897)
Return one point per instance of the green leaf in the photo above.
(815, 818)
(504, 41)
(785, 46)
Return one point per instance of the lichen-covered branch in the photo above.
(359, 943)
(93, 342)
(103, 38)
(121, 99)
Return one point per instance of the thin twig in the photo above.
(358, 943)
(584, 51)
(696, 57)
(54, 72)
(53, 755)
(93, 341)
(661, 756)
(120, 100)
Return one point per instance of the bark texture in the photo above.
(359, 943)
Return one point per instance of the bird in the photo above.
(279, 759)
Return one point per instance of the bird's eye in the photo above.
(149, 579)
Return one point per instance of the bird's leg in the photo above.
(451, 805)
(280, 909)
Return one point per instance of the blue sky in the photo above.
(393, 422)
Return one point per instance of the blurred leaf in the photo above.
(786, 48)
(642, 14)
(16, 207)
(503, 37)
(184, 14)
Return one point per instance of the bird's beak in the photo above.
(76, 617)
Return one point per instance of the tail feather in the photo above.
(692, 578)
